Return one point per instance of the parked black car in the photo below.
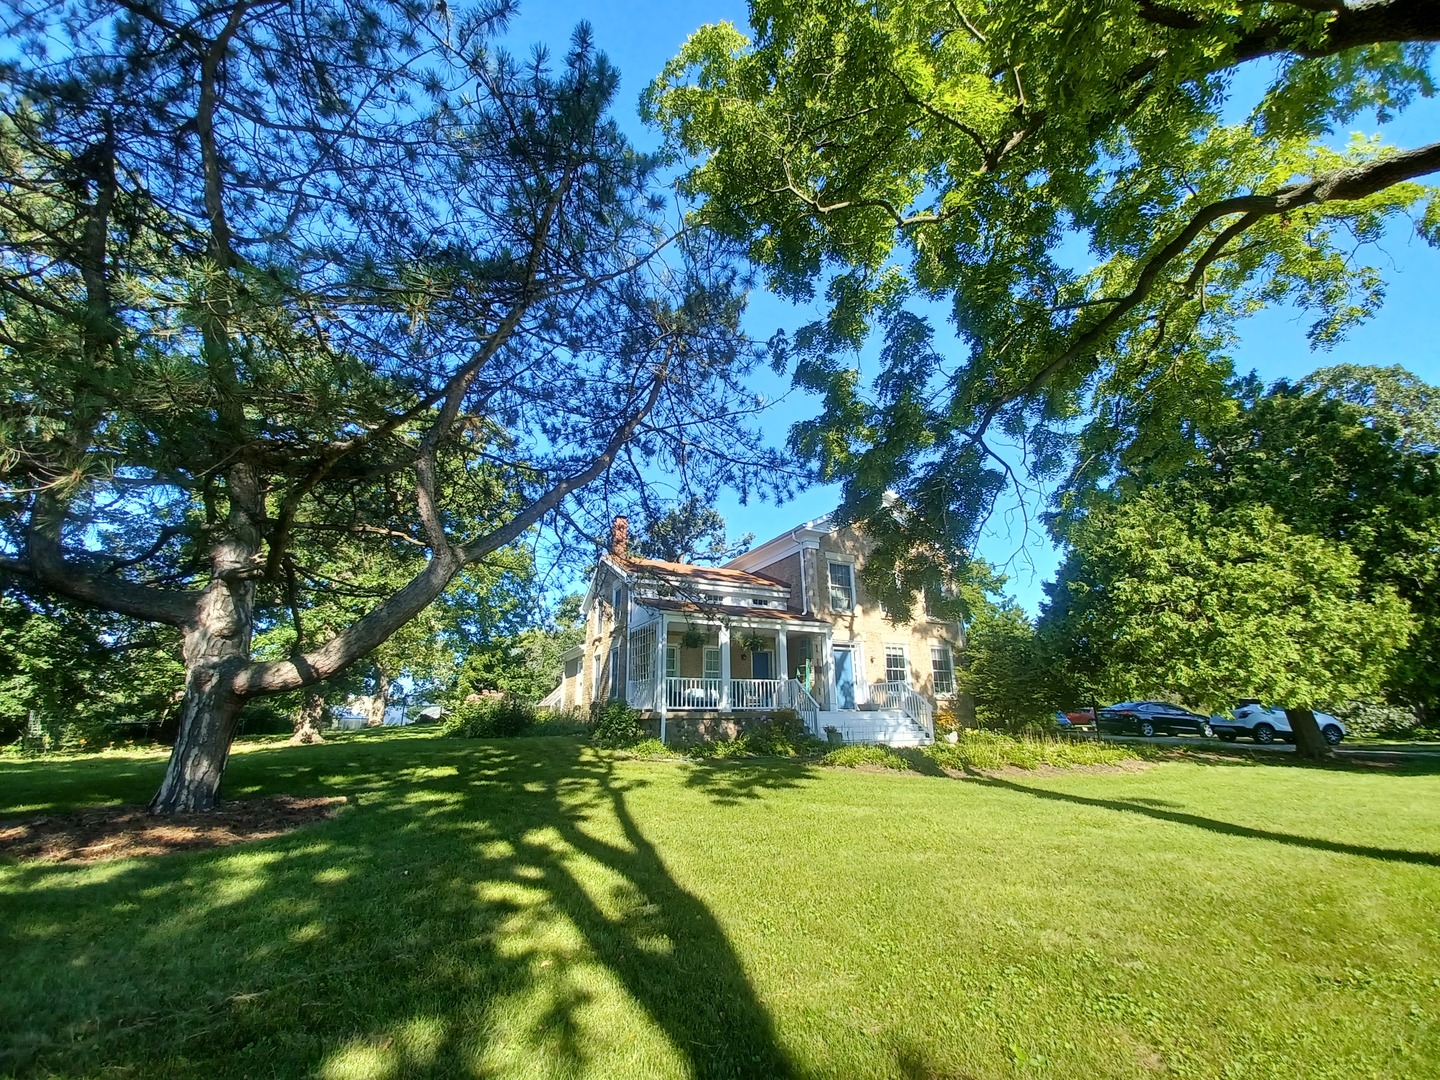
(1150, 718)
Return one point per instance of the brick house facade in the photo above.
(701, 650)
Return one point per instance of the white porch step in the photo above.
(839, 717)
(889, 727)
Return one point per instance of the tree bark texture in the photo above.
(216, 647)
(308, 720)
(1309, 742)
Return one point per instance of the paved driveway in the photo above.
(1345, 749)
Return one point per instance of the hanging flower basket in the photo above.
(692, 639)
(752, 643)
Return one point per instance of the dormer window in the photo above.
(842, 586)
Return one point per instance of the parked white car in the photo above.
(1266, 725)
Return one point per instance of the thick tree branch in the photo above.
(1352, 25)
(48, 565)
(1341, 185)
(375, 627)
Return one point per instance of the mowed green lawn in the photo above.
(535, 908)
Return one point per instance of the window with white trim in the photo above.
(712, 662)
(672, 662)
(642, 654)
(896, 669)
(617, 673)
(842, 586)
(942, 669)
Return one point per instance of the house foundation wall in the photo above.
(692, 727)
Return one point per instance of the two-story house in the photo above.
(699, 650)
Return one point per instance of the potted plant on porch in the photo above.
(692, 639)
(752, 643)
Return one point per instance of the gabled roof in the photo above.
(788, 542)
(719, 575)
(680, 575)
(729, 611)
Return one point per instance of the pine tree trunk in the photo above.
(215, 648)
(308, 720)
(1309, 743)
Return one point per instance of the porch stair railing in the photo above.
(794, 696)
(903, 696)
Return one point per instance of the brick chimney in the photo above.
(620, 536)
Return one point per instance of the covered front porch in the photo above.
(691, 662)
(723, 663)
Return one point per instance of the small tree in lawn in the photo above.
(271, 273)
(1005, 670)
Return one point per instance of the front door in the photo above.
(844, 677)
(762, 665)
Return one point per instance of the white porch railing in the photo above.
(692, 693)
(903, 696)
(754, 693)
(919, 709)
(744, 694)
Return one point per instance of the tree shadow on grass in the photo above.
(1151, 808)
(30, 787)
(475, 915)
(1350, 759)
(729, 783)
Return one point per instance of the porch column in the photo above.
(782, 654)
(827, 675)
(724, 667)
(662, 688)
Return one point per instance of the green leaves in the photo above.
(1345, 459)
(1211, 606)
(966, 152)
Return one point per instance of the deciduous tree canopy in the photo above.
(1216, 605)
(1346, 456)
(969, 151)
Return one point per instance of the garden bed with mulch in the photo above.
(125, 831)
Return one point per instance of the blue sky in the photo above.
(641, 35)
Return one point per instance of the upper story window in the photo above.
(842, 586)
(619, 597)
(896, 669)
